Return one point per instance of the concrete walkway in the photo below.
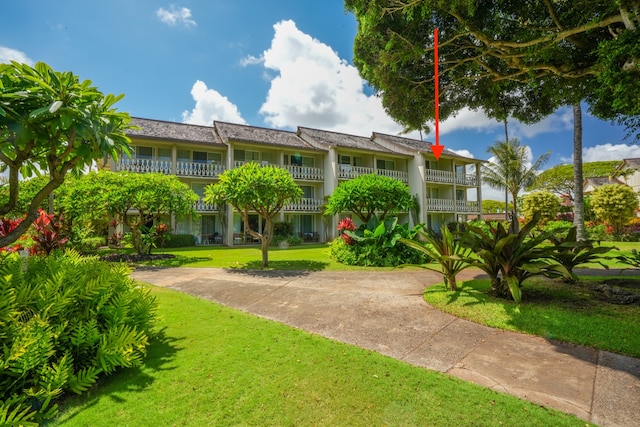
(385, 312)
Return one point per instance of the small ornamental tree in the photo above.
(249, 188)
(105, 195)
(545, 202)
(51, 123)
(615, 204)
(370, 194)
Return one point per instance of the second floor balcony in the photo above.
(449, 205)
(304, 205)
(351, 172)
(201, 206)
(448, 177)
(207, 170)
(305, 173)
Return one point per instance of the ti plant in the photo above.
(571, 252)
(632, 260)
(445, 250)
(514, 256)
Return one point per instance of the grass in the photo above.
(213, 365)
(551, 309)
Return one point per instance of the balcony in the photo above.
(466, 179)
(463, 206)
(448, 205)
(351, 172)
(207, 170)
(144, 166)
(305, 173)
(399, 175)
(304, 205)
(201, 206)
(434, 175)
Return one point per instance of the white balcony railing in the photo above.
(399, 175)
(448, 205)
(144, 166)
(208, 170)
(305, 173)
(466, 179)
(351, 172)
(201, 206)
(440, 205)
(434, 175)
(304, 205)
(467, 207)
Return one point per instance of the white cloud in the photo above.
(210, 106)
(559, 121)
(607, 152)
(251, 60)
(175, 16)
(313, 87)
(8, 54)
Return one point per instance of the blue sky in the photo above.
(276, 63)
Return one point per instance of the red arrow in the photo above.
(437, 149)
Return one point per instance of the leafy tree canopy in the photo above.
(370, 194)
(52, 123)
(494, 206)
(518, 58)
(545, 202)
(615, 204)
(104, 195)
(559, 179)
(264, 190)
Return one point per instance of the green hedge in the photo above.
(177, 241)
(65, 320)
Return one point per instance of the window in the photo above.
(308, 191)
(184, 156)
(386, 164)
(298, 160)
(143, 153)
(206, 157)
(344, 160)
(459, 194)
(246, 156)
(267, 158)
(164, 154)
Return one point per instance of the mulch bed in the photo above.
(133, 258)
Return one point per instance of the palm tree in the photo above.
(509, 170)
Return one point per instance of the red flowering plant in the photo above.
(346, 224)
(7, 226)
(115, 239)
(47, 234)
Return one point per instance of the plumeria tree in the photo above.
(250, 188)
(369, 195)
(52, 124)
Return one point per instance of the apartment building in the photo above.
(317, 160)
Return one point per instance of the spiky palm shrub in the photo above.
(444, 249)
(571, 252)
(515, 256)
(64, 321)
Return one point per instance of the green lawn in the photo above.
(217, 366)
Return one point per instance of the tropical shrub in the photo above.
(283, 229)
(543, 201)
(615, 204)
(65, 321)
(570, 252)
(514, 256)
(375, 244)
(47, 235)
(444, 249)
(561, 227)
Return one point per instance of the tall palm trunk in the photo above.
(578, 182)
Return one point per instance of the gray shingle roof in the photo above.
(415, 144)
(602, 180)
(633, 163)
(158, 129)
(344, 140)
(257, 135)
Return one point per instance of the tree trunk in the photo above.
(265, 251)
(578, 182)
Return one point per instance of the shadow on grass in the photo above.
(177, 261)
(291, 268)
(161, 353)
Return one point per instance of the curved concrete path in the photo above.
(385, 312)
